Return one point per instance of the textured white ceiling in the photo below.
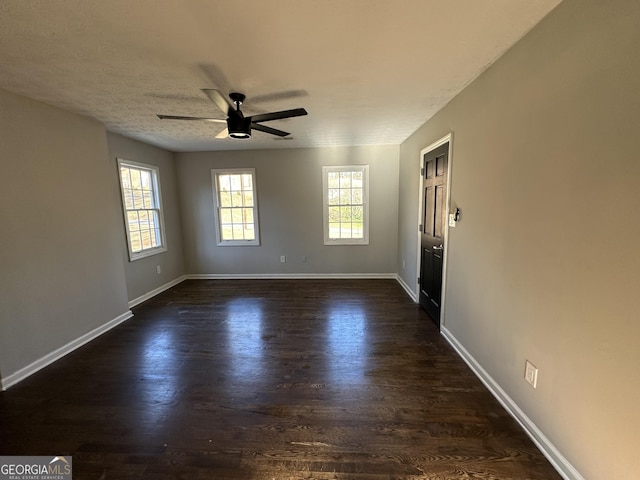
(369, 72)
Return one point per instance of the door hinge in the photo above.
(422, 171)
(418, 280)
(420, 227)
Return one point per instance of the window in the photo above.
(236, 206)
(140, 187)
(346, 211)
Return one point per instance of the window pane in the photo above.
(148, 199)
(154, 219)
(238, 232)
(125, 175)
(227, 232)
(143, 215)
(334, 214)
(236, 215)
(345, 230)
(225, 199)
(146, 239)
(224, 182)
(357, 230)
(138, 201)
(248, 216)
(225, 215)
(247, 198)
(345, 179)
(356, 179)
(145, 179)
(135, 178)
(356, 196)
(345, 214)
(333, 180)
(345, 197)
(247, 182)
(128, 199)
(249, 233)
(236, 184)
(136, 243)
(236, 199)
(334, 230)
(357, 214)
(132, 219)
(334, 196)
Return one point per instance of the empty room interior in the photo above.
(215, 228)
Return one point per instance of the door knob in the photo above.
(440, 247)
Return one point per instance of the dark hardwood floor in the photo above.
(269, 379)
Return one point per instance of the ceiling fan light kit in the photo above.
(238, 125)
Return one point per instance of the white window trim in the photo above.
(325, 204)
(216, 202)
(158, 194)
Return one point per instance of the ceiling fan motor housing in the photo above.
(239, 127)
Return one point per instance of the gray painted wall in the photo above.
(141, 275)
(544, 263)
(61, 269)
(289, 186)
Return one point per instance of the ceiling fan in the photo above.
(239, 126)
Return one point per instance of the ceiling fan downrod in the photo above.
(237, 125)
(237, 99)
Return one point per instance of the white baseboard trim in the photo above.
(313, 276)
(156, 291)
(51, 357)
(407, 288)
(549, 450)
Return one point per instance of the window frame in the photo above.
(217, 204)
(365, 204)
(157, 198)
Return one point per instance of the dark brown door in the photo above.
(434, 182)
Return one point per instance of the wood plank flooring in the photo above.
(269, 379)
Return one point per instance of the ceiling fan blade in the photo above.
(220, 100)
(263, 117)
(272, 131)
(201, 119)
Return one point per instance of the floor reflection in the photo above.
(244, 339)
(160, 375)
(347, 342)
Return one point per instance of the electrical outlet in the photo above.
(531, 374)
(283, 258)
(158, 270)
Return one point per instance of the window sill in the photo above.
(146, 253)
